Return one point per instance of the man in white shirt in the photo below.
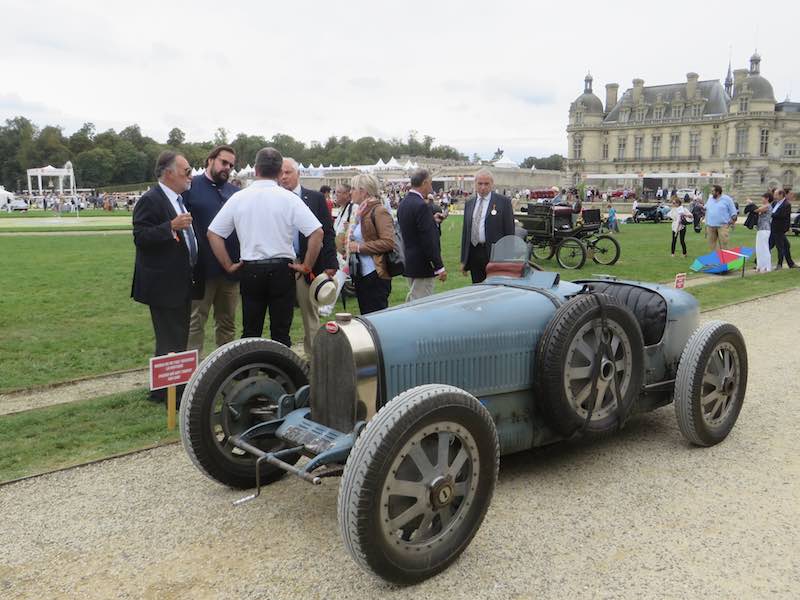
(266, 218)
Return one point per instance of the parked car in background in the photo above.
(15, 205)
(651, 212)
(796, 223)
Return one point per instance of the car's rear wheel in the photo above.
(571, 253)
(584, 371)
(234, 388)
(418, 482)
(711, 383)
(605, 250)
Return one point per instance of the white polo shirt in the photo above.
(266, 219)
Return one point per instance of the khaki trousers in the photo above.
(310, 315)
(717, 237)
(223, 295)
(419, 287)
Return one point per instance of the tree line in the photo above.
(128, 156)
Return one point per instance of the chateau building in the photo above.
(687, 135)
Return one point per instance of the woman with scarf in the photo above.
(371, 237)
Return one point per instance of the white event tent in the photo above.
(51, 171)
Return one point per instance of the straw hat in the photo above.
(322, 290)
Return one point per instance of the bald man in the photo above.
(327, 261)
(488, 216)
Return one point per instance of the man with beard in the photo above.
(210, 191)
(166, 251)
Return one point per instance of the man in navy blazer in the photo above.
(166, 250)
(488, 216)
(423, 256)
(326, 262)
(209, 193)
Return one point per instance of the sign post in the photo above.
(171, 370)
(680, 281)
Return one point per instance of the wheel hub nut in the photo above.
(441, 492)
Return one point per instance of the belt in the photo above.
(268, 261)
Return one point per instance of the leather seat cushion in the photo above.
(649, 308)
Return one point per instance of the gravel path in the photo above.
(641, 515)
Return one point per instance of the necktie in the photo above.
(190, 239)
(476, 222)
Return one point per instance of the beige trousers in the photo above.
(223, 295)
(419, 287)
(717, 237)
(309, 313)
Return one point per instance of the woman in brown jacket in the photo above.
(371, 237)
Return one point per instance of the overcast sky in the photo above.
(476, 75)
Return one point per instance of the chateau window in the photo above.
(674, 144)
(579, 118)
(605, 150)
(624, 115)
(656, 146)
(697, 111)
(577, 147)
(677, 111)
(640, 113)
(763, 176)
(788, 179)
(738, 178)
(638, 143)
(620, 148)
(744, 104)
(715, 145)
(658, 113)
(764, 146)
(691, 182)
(741, 141)
(790, 149)
(694, 144)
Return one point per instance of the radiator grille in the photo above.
(333, 385)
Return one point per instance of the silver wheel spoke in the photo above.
(417, 454)
(458, 462)
(425, 526)
(615, 342)
(586, 350)
(443, 450)
(406, 516)
(580, 372)
(619, 366)
(410, 489)
(446, 516)
(460, 489)
(709, 398)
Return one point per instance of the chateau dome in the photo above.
(591, 103)
(760, 88)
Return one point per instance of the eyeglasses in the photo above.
(187, 171)
(225, 163)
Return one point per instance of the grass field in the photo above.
(39, 213)
(65, 309)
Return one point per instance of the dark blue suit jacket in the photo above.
(420, 237)
(204, 201)
(496, 225)
(327, 254)
(162, 273)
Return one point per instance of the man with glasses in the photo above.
(166, 252)
(220, 290)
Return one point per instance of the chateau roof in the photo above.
(711, 90)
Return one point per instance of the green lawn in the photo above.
(41, 440)
(65, 309)
(39, 213)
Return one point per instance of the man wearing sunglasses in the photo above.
(166, 252)
(214, 287)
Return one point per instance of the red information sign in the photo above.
(680, 281)
(172, 369)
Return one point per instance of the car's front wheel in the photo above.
(711, 383)
(418, 482)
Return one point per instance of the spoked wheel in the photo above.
(571, 253)
(237, 386)
(418, 483)
(582, 367)
(543, 250)
(711, 383)
(605, 250)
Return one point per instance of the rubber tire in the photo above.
(616, 255)
(688, 383)
(657, 217)
(541, 256)
(200, 392)
(561, 246)
(372, 457)
(550, 360)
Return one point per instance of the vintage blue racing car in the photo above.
(414, 405)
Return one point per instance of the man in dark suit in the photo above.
(327, 261)
(488, 216)
(423, 256)
(781, 221)
(166, 251)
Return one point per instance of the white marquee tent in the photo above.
(51, 171)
